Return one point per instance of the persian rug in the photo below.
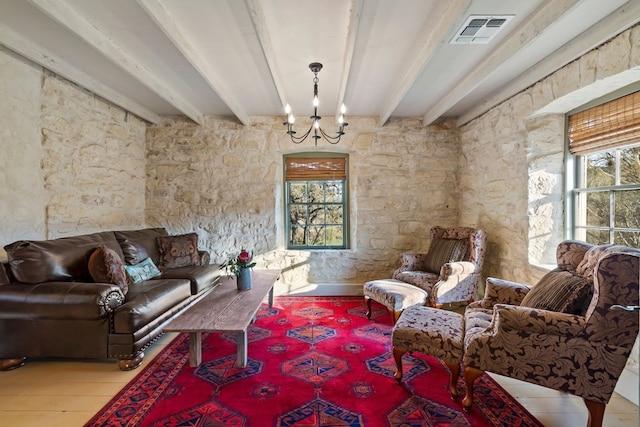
(312, 362)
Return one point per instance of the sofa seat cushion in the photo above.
(148, 300)
(137, 245)
(201, 276)
(422, 279)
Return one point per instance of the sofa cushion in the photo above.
(142, 271)
(138, 245)
(201, 277)
(58, 260)
(443, 251)
(178, 251)
(4, 277)
(105, 266)
(149, 300)
(560, 291)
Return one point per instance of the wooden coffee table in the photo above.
(225, 309)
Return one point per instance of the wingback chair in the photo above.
(568, 332)
(449, 272)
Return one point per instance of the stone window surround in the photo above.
(548, 160)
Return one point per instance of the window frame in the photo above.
(344, 203)
(578, 226)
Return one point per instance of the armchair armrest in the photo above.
(456, 283)
(536, 321)
(59, 300)
(457, 269)
(411, 262)
(499, 291)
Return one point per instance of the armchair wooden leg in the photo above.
(596, 413)
(397, 355)
(368, 307)
(395, 315)
(470, 376)
(454, 369)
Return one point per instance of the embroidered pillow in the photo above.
(142, 271)
(106, 266)
(443, 251)
(560, 291)
(178, 251)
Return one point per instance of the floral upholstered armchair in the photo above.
(569, 332)
(450, 271)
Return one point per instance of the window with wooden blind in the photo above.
(606, 199)
(316, 201)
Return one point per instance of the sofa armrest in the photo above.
(499, 291)
(411, 262)
(205, 257)
(59, 300)
(529, 320)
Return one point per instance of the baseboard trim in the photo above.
(318, 289)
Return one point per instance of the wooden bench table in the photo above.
(225, 309)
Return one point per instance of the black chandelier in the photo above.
(318, 132)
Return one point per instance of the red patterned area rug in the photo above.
(313, 361)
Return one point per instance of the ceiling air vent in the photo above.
(479, 29)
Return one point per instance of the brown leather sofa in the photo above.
(50, 306)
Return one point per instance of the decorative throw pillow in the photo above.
(106, 266)
(560, 291)
(178, 251)
(443, 251)
(142, 271)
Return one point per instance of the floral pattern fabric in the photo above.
(580, 355)
(456, 281)
(431, 331)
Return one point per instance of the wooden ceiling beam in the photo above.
(525, 34)
(423, 52)
(49, 60)
(158, 11)
(615, 23)
(63, 13)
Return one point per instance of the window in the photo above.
(606, 201)
(316, 198)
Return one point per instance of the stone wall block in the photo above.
(613, 56)
(588, 66)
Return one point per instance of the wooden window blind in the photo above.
(315, 169)
(606, 126)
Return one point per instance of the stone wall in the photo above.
(225, 182)
(71, 162)
(513, 161)
(93, 162)
(22, 197)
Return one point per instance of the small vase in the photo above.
(244, 279)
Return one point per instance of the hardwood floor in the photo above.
(69, 393)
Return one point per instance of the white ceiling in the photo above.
(247, 58)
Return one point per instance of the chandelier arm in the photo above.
(330, 139)
(299, 139)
